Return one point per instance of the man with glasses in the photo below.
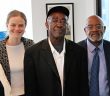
(99, 76)
(56, 66)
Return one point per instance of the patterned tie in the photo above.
(94, 79)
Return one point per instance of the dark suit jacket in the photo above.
(106, 46)
(41, 75)
(1, 90)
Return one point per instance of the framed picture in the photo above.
(70, 29)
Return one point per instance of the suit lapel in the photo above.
(49, 57)
(84, 43)
(67, 60)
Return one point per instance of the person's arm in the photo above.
(5, 88)
(29, 75)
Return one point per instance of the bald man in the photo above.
(94, 30)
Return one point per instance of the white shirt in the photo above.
(59, 60)
(16, 57)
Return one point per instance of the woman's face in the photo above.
(16, 27)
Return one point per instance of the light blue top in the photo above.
(103, 82)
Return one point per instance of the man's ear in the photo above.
(46, 24)
(84, 29)
(104, 28)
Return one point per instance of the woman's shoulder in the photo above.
(27, 41)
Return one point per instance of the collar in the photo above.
(53, 49)
(91, 47)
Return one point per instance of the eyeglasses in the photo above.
(97, 27)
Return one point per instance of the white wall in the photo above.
(82, 9)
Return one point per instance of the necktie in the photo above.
(94, 78)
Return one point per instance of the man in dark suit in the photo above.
(56, 66)
(1, 89)
(94, 30)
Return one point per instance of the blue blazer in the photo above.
(106, 46)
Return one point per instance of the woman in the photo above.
(12, 51)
